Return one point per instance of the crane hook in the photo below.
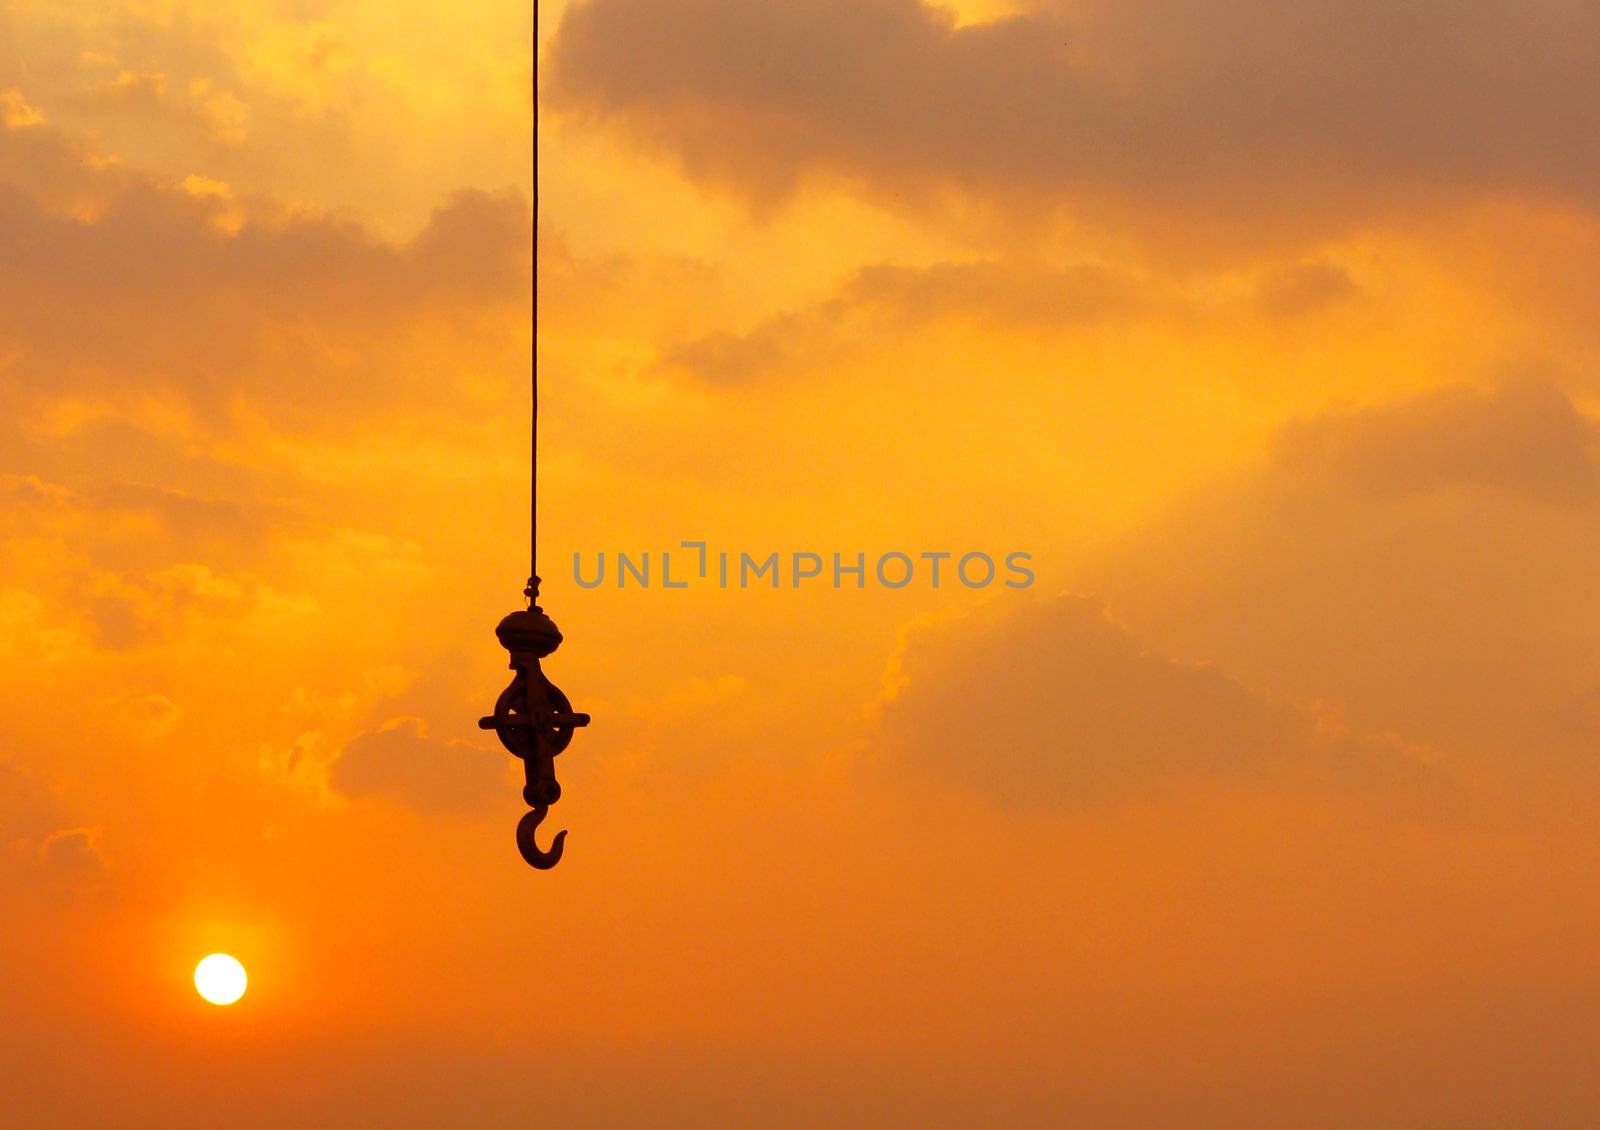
(528, 844)
(535, 722)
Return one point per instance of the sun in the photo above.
(220, 979)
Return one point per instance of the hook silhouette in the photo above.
(535, 722)
(528, 845)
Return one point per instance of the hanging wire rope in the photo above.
(533, 349)
(532, 718)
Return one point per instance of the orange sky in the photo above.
(1268, 330)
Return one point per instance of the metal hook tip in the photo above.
(528, 844)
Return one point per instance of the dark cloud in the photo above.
(183, 520)
(881, 302)
(27, 809)
(33, 832)
(119, 282)
(1428, 564)
(1032, 295)
(119, 563)
(1048, 704)
(72, 854)
(400, 762)
(1248, 114)
(1304, 288)
(1522, 437)
(647, 295)
(127, 610)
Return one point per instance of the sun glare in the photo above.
(220, 978)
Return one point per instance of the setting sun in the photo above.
(220, 978)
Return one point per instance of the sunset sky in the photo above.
(1268, 330)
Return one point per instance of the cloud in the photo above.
(26, 808)
(619, 295)
(1247, 114)
(34, 827)
(352, 105)
(879, 306)
(125, 512)
(1052, 704)
(1305, 288)
(399, 761)
(115, 281)
(15, 113)
(1523, 437)
(172, 355)
(122, 566)
(213, 112)
(72, 854)
(882, 301)
(1427, 563)
(127, 611)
